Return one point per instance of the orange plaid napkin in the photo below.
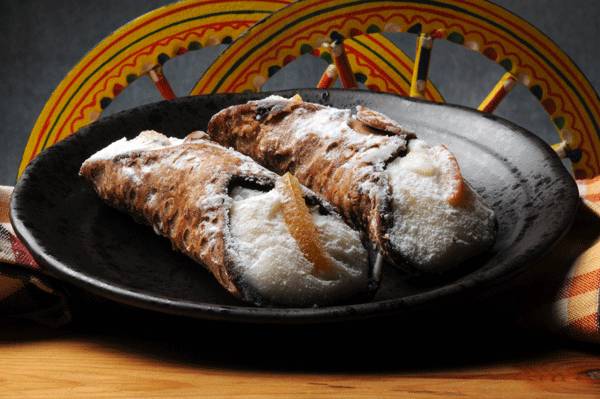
(564, 297)
(24, 291)
(576, 307)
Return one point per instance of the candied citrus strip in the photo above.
(297, 98)
(459, 188)
(301, 226)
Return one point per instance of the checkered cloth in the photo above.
(576, 307)
(24, 290)
(563, 297)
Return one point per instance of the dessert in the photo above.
(266, 239)
(410, 198)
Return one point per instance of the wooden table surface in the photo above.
(155, 357)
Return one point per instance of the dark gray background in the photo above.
(42, 40)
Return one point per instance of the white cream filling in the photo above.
(270, 261)
(428, 230)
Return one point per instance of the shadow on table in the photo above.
(410, 344)
(469, 336)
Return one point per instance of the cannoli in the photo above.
(266, 239)
(409, 197)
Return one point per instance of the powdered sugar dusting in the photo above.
(132, 175)
(268, 99)
(146, 140)
(328, 123)
(270, 260)
(248, 166)
(151, 200)
(333, 124)
(427, 229)
(213, 199)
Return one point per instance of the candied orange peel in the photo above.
(301, 226)
(458, 193)
(297, 98)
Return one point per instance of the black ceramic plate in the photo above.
(81, 240)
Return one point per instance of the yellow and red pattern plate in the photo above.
(286, 30)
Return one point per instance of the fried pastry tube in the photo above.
(410, 198)
(226, 212)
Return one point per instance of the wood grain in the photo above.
(78, 367)
(97, 364)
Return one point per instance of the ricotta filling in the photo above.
(270, 261)
(428, 230)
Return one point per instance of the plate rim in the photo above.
(489, 279)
